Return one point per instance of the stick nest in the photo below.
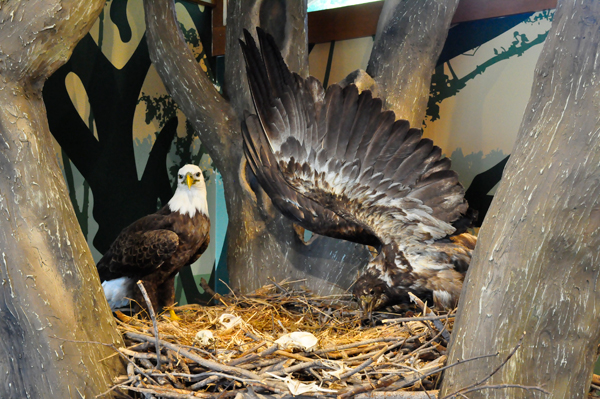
(242, 357)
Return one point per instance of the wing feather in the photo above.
(145, 251)
(403, 149)
(367, 108)
(334, 106)
(139, 249)
(302, 210)
(338, 150)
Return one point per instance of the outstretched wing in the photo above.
(140, 249)
(302, 210)
(340, 150)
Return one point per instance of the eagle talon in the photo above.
(173, 315)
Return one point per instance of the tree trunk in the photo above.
(416, 30)
(535, 269)
(50, 289)
(263, 243)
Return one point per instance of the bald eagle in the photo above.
(154, 248)
(338, 165)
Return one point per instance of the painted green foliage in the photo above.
(444, 86)
(160, 108)
(103, 149)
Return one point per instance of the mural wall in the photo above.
(121, 138)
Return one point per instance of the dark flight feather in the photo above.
(337, 153)
(300, 209)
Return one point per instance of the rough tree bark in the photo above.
(416, 32)
(536, 266)
(262, 243)
(49, 286)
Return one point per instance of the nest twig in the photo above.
(349, 359)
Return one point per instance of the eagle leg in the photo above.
(166, 292)
(166, 295)
(160, 292)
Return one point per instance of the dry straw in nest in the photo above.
(236, 352)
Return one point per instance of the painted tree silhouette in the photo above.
(107, 161)
(477, 193)
(106, 158)
(467, 36)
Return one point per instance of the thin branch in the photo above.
(427, 311)
(424, 318)
(113, 347)
(427, 374)
(208, 289)
(480, 383)
(201, 361)
(129, 381)
(301, 366)
(153, 317)
(167, 394)
(363, 343)
(426, 344)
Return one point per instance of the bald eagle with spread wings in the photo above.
(154, 248)
(338, 165)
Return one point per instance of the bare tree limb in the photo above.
(39, 30)
(211, 116)
(416, 31)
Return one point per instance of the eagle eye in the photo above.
(181, 176)
(197, 174)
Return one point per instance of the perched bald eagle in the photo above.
(154, 248)
(338, 165)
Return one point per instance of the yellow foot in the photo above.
(122, 316)
(173, 316)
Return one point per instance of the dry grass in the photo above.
(347, 360)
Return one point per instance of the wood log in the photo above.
(410, 36)
(535, 268)
(49, 285)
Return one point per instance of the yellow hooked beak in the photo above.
(189, 180)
